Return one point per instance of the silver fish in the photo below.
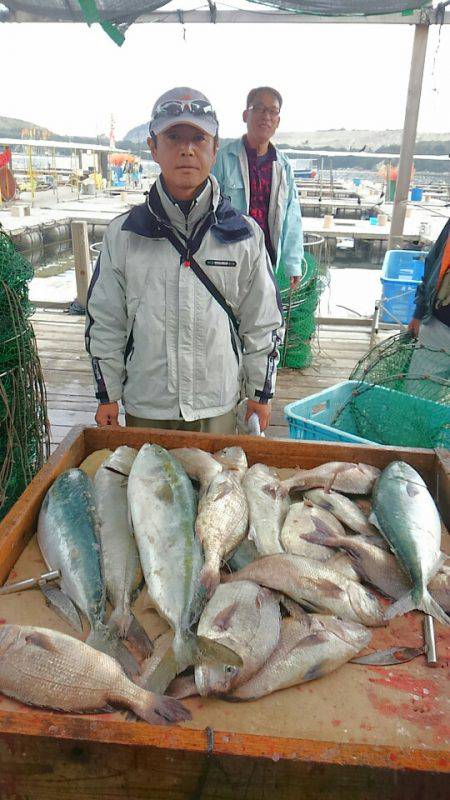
(45, 668)
(68, 538)
(123, 573)
(406, 515)
(313, 584)
(245, 618)
(221, 524)
(306, 651)
(338, 475)
(163, 508)
(380, 568)
(233, 459)
(304, 518)
(344, 509)
(268, 505)
(200, 465)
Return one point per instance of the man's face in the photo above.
(263, 119)
(185, 155)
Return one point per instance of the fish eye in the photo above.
(229, 669)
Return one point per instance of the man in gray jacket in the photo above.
(183, 307)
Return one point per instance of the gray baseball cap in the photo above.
(183, 105)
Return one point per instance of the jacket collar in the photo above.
(150, 219)
(237, 146)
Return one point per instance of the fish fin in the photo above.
(426, 604)
(163, 674)
(252, 534)
(127, 627)
(40, 639)
(183, 687)
(373, 520)
(159, 710)
(106, 641)
(223, 619)
(210, 578)
(63, 606)
(210, 650)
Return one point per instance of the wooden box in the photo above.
(354, 734)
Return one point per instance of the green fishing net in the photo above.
(299, 308)
(24, 430)
(401, 395)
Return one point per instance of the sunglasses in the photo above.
(174, 108)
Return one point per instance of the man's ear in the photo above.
(245, 115)
(152, 146)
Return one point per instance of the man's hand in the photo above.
(262, 410)
(107, 414)
(414, 327)
(294, 281)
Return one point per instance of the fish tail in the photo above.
(430, 606)
(210, 576)
(425, 603)
(106, 641)
(126, 626)
(158, 710)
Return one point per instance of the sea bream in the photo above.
(314, 585)
(406, 515)
(305, 518)
(68, 535)
(268, 504)
(123, 573)
(45, 668)
(338, 475)
(233, 459)
(163, 509)
(246, 618)
(344, 509)
(221, 524)
(308, 649)
(380, 568)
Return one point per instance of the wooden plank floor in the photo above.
(68, 376)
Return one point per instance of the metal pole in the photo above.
(409, 136)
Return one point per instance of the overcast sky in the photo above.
(331, 76)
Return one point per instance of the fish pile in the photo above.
(264, 583)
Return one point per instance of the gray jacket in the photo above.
(157, 337)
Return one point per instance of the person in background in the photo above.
(183, 305)
(431, 321)
(259, 180)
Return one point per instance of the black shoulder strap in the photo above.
(207, 283)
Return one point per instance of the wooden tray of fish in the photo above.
(354, 731)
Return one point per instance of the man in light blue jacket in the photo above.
(259, 180)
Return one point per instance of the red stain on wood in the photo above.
(420, 711)
(336, 722)
(408, 683)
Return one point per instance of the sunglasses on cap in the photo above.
(175, 108)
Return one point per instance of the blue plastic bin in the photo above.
(313, 417)
(401, 274)
(416, 193)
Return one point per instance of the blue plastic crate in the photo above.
(425, 423)
(401, 274)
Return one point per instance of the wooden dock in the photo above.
(70, 391)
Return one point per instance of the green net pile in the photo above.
(24, 440)
(401, 396)
(299, 307)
